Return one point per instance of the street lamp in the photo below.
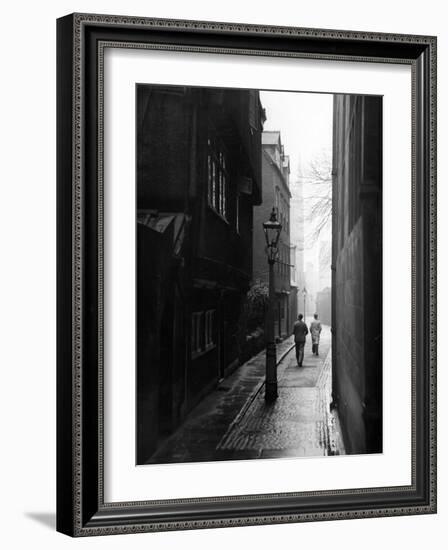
(304, 292)
(272, 229)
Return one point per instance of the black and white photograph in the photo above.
(222, 241)
(258, 274)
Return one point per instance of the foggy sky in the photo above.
(305, 121)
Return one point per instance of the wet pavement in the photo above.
(234, 421)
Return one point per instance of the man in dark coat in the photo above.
(300, 331)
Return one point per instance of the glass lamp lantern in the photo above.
(272, 229)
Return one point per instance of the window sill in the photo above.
(197, 354)
(220, 216)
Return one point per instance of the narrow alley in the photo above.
(234, 422)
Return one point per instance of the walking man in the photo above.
(315, 329)
(300, 331)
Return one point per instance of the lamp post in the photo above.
(304, 292)
(271, 230)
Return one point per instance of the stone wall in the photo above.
(357, 270)
(349, 331)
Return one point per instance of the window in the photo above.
(237, 213)
(283, 260)
(202, 331)
(217, 177)
(196, 333)
(253, 107)
(277, 198)
(209, 328)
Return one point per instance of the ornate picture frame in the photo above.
(81, 506)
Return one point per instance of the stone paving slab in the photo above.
(297, 424)
(280, 426)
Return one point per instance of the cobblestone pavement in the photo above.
(234, 422)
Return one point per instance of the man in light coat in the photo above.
(315, 329)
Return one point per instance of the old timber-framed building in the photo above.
(198, 179)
